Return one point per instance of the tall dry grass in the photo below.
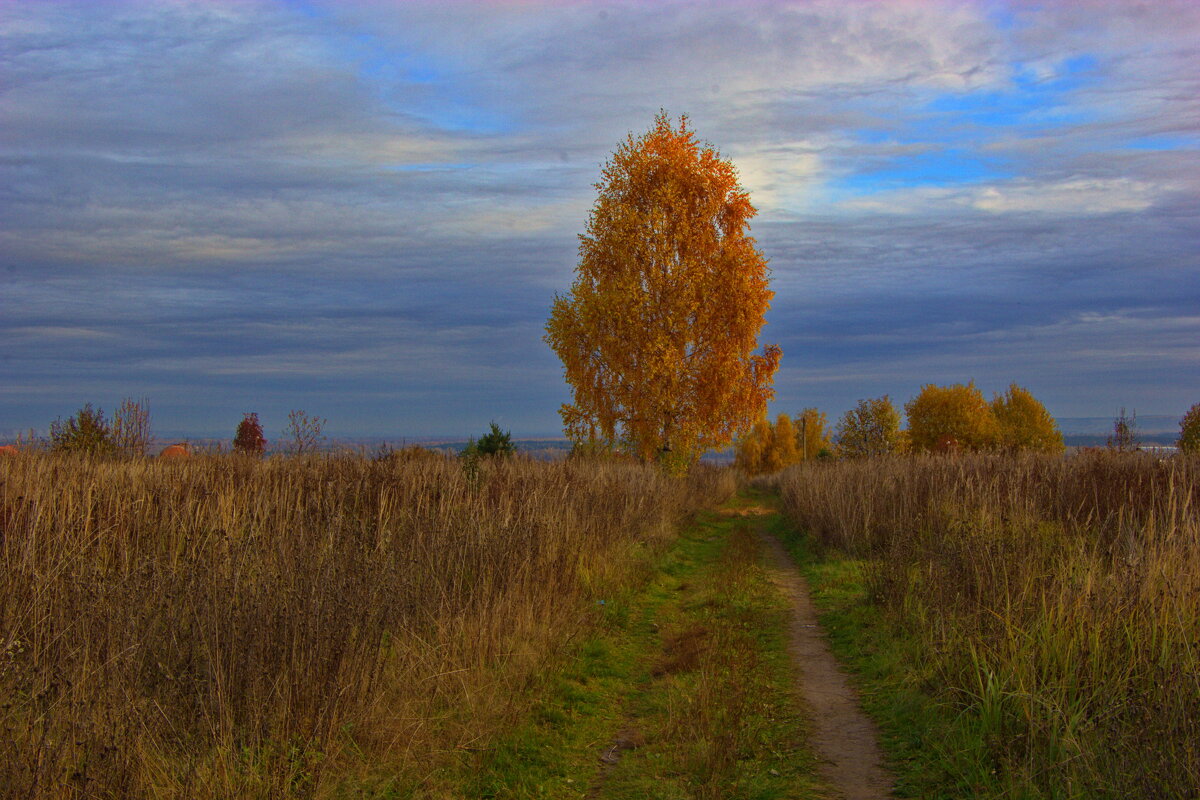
(225, 627)
(1058, 600)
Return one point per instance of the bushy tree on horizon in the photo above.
(1023, 423)
(249, 439)
(871, 428)
(495, 442)
(949, 418)
(85, 432)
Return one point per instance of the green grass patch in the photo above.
(685, 692)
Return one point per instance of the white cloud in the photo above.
(1096, 196)
(1080, 197)
(780, 177)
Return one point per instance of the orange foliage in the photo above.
(770, 448)
(175, 451)
(9, 450)
(658, 331)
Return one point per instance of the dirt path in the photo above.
(845, 740)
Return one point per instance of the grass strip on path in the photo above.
(687, 691)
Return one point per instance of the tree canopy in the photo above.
(658, 331)
(871, 428)
(1023, 423)
(950, 418)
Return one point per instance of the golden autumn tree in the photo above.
(950, 418)
(1024, 423)
(784, 442)
(812, 434)
(658, 331)
(750, 455)
(767, 447)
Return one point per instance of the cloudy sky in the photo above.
(365, 209)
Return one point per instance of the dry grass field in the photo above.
(228, 627)
(1056, 602)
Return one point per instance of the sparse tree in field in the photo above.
(871, 428)
(1189, 431)
(949, 418)
(495, 442)
(658, 331)
(131, 426)
(1023, 423)
(85, 432)
(812, 432)
(249, 439)
(1125, 432)
(304, 433)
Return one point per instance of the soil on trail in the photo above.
(845, 740)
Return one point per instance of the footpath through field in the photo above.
(712, 680)
(845, 740)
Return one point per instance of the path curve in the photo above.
(845, 740)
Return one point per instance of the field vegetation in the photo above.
(1049, 610)
(301, 627)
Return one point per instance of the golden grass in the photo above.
(1058, 600)
(227, 627)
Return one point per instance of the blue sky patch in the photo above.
(949, 167)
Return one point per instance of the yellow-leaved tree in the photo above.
(767, 447)
(1024, 423)
(956, 417)
(812, 434)
(750, 454)
(658, 332)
